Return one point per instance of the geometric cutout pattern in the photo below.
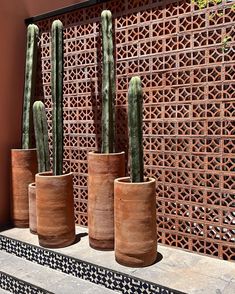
(188, 116)
(99, 275)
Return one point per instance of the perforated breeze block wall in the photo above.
(189, 110)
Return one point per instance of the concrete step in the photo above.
(19, 275)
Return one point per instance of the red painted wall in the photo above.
(12, 58)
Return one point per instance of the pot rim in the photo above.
(49, 174)
(126, 181)
(105, 154)
(32, 185)
(23, 150)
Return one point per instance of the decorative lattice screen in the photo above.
(189, 110)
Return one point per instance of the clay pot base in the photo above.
(135, 222)
(24, 168)
(102, 170)
(55, 210)
(135, 262)
(102, 245)
(33, 232)
(32, 209)
(57, 241)
(21, 224)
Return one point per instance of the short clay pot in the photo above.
(24, 168)
(103, 169)
(135, 222)
(55, 210)
(32, 208)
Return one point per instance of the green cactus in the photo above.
(108, 85)
(57, 95)
(41, 135)
(135, 105)
(29, 85)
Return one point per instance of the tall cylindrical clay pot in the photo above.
(55, 210)
(103, 169)
(32, 208)
(135, 222)
(24, 168)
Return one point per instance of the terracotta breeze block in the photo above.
(189, 110)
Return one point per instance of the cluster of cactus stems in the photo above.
(108, 85)
(135, 105)
(41, 136)
(57, 95)
(29, 85)
(135, 102)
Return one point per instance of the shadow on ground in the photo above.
(79, 236)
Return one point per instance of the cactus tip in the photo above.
(33, 27)
(136, 82)
(57, 24)
(32, 31)
(135, 79)
(106, 13)
(38, 104)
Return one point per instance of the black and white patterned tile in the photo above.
(111, 279)
(17, 286)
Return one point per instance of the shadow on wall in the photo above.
(12, 58)
(11, 93)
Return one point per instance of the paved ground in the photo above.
(176, 269)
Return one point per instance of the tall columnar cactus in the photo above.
(57, 95)
(29, 85)
(135, 103)
(108, 84)
(41, 135)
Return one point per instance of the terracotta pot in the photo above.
(55, 210)
(24, 168)
(32, 208)
(102, 170)
(135, 222)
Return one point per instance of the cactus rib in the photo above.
(41, 135)
(57, 96)
(135, 102)
(29, 84)
(108, 84)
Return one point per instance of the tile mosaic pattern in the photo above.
(189, 109)
(90, 272)
(13, 285)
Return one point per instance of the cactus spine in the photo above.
(29, 84)
(108, 84)
(57, 95)
(41, 135)
(135, 102)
